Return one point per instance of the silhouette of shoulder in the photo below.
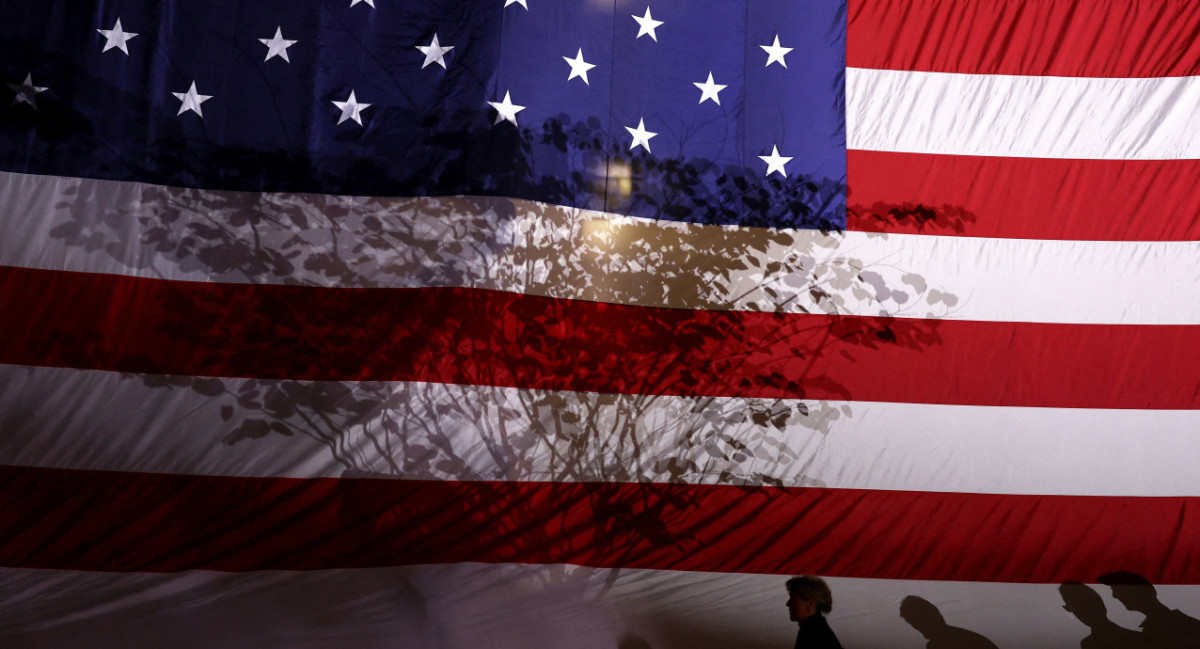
(1172, 629)
(1113, 639)
(815, 634)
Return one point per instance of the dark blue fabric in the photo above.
(271, 124)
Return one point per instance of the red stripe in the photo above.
(1111, 38)
(87, 520)
(469, 336)
(1023, 198)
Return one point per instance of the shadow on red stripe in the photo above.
(85, 520)
(470, 336)
(1023, 198)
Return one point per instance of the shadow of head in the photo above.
(929, 622)
(922, 615)
(1134, 591)
(1084, 603)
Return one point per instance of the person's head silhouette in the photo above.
(922, 615)
(1132, 590)
(807, 596)
(1163, 628)
(1084, 603)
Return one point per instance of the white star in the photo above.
(26, 92)
(277, 46)
(370, 2)
(775, 162)
(116, 37)
(351, 109)
(647, 25)
(191, 100)
(640, 135)
(579, 67)
(506, 110)
(709, 90)
(516, 2)
(434, 53)
(775, 53)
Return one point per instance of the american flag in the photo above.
(520, 323)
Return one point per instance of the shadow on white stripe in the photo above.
(78, 419)
(538, 249)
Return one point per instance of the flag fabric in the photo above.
(515, 323)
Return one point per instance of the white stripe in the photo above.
(76, 419)
(523, 246)
(466, 606)
(1022, 116)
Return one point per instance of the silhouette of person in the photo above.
(808, 598)
(928, 621)
(1088, 607)
(1163, 628)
